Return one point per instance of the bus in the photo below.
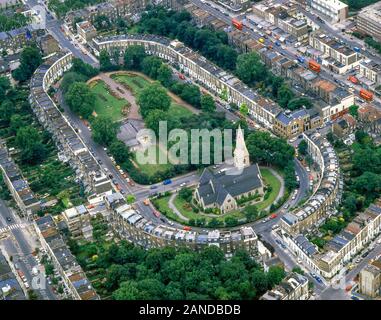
(237, 24)
(353, 79)
(366, 95)
(314, 66)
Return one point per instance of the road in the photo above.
(142, 192)
(19, 245)
(289, 51)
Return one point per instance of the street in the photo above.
(20, 245)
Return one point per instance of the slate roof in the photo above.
(215, 187)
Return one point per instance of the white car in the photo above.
(183, 184)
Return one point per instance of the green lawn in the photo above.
(136, 84)
(106, 103)
(151, 169)
(271, 180)
(186, 211)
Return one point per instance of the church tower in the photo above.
(241, 155)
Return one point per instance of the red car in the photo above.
(273, 216)
(187, 228)
(157, 214)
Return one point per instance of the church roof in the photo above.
(214, 187)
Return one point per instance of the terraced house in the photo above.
(66, 138)
(75, 280)
(326, 194)
(199, 69)
(131, 225)
(17, 184)
(338, 252)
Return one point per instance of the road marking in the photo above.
(12, 227)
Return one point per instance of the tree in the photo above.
(231, 221)
(130, 199)
(6, 110)
(260, 282)
(154, 96)
(83, 68)
(244, 109)
(102, 22)
(269, 150)
(191, 94)
(28, 140)
(69, 78)
(30, 60)
(154, 118)
(303, 147)
(104, 130)
(207, 103)
(164, 75)
(298, 269)
(119, 151)
(5, 85)
(298, 103)
(133, 57)
(32, 295)
(105, 61)
(151, 65)
(353, 110)
(186, 194)
(250, 212)
(285, 94)
(127, 291)
(80, 99)
(16, 123)
(250, 68)
(368, 183)
(275, 275)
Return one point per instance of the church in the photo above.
(222, 188)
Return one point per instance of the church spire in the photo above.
(241, 155)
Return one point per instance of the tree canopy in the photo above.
(30, 60)
(80, 99)
(154, 96)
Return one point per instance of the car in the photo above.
(286, 206)
(183, 184)
(17, 267)
(167, 181)
(171, 223)
(122, 191)
(9, 219)
(153, 187)
(313, 275)
(278, 241)
(354, 298)
(318, 279)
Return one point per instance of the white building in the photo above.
(335, 10)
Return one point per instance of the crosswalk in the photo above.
(12, 227)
